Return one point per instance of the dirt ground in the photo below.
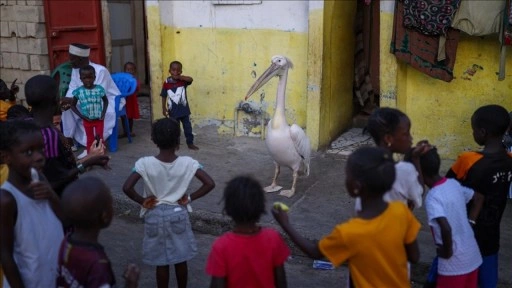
(320, 203)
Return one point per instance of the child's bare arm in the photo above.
(208, 184)
(307, 246)
(129, 190)
(184, 78)
(280, 277)
(7, 221)
(474, 211)
(218, 282)
(164, 107)
(75, 109)
(445, 250)
(413, 252)
(105, 105)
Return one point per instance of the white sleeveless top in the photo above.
(37, 236)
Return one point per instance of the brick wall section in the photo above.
(23, 42)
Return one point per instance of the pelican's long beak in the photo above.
(264, 78)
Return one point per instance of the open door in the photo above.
(73, 21)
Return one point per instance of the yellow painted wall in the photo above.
(224, 64)
(338, 69)
(441, 111)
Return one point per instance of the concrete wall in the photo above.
(441, 111)
(225, 48)
(23, 44)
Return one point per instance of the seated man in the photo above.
(71, 123)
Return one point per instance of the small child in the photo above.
(28, 221)
(61, 167)
(7, 98)
(93, 105)
(132, 105)
(82, 262)
(249, 255)
(391, 129)
(175, 102)
(168, 238)
(457, 250)
(380, 239)
(489, 174)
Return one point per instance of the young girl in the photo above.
(380, 239)
(166, 179)
(249, 255)
(391, 129)
(29, 226)
(132, 105)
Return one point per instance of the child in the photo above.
(168, 238)
(174, 100)
(93, 105)
(249, 255)
(380, 239)
(132, 105)
(7, 98)
(28, 222)
(61, 167)
(391, 129)
(82, 261)
(457, 250)
(488, 173)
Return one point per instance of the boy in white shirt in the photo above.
(457, 250)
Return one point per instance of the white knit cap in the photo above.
(82, 52)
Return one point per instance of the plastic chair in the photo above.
(127, 84)
(63, 72)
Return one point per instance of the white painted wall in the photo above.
(275, 15)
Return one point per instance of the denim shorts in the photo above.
(168, 237)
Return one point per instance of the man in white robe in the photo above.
(71, 123)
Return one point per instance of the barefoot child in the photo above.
(87, 205)
(168, 239)
(380, 239)
(457, 250)
(249, 255)
(29, 227)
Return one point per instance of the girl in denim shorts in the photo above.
(168, 237)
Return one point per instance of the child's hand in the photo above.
(149, 202)
(14, 88)
(65, 103)
(100, 160)
(184, 200)
(280, 215)
(97, 148)
(41, 190)
(131, 276)
(165, 113)
(421, 148)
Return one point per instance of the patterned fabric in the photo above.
(421, 51)
(90, 101)
(508, 24)
(430, 17)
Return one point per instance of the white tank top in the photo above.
(37, 237)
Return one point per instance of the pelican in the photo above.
(288, 145)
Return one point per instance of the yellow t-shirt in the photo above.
(4, 106)
(375, 248)
(4, 173)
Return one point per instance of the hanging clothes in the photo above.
(421, 51)
(429, 17)
(507, 33)
(479, 18)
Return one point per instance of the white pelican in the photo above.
(288, 145)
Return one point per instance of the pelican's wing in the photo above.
(302, 145)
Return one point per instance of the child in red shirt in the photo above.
(249, 255)
(132, 105)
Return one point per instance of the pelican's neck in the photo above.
(279, 116)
